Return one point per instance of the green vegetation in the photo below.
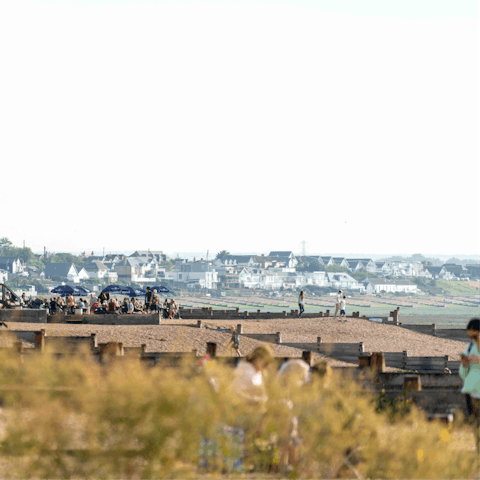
(123, 420)
(457, 288)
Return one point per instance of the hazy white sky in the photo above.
(240, 125)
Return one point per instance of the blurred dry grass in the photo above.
(123, 420)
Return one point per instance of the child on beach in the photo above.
(235, 341)
(342, 310)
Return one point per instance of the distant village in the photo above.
(279, 271)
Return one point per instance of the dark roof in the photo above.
(95, 265)
(434, 270)
(280, 254)
(145, 253)
(60, 269)
(377, 281)
(354, 263)
(456, 269)
(401, 282)
(239, 258)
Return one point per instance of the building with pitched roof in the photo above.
(64, 271)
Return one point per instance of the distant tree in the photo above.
(168, 265)
(222, 255)
(360, 275)
(454, 260)
(79, 262)
(4, 242)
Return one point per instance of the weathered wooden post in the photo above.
(40, 340)
(144, 348)
(199, 324)
(239, 329)
(212, 349)
(109, 350)
(320, 314)
(377, 362)
(279, 337)
(405, 359)
(319, 341)
(364, 360)
(327, 313)
(412, 383)
(308, 357)
(93, 340)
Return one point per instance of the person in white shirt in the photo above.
(338, 303)
(343, 302)
(301, 302)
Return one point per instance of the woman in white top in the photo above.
(470, 370)
(301, 301)
(338, 301)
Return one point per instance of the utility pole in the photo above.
(208, 271)
(304, 248)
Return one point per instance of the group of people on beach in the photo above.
(248, 386)
(340, 303)
(104, 303)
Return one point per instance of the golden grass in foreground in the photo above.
(73, 418)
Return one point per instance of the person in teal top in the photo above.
(470, 369)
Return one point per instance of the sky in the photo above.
(248, 126)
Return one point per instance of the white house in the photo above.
(83, 274)
(195, 273)
(251, 277)
(343, 281)
(11, 265)
(377, 285)
(405, 286)
(285, 256)
(96, 269)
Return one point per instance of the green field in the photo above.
(450, 314)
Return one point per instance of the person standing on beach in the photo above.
(301, 301)
(148, 299)
(342, 309)
(154, 302)
(470, 372)
(338, 303)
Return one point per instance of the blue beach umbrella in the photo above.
(79, 290)
(161, 289)
(63, 290)
(113, 289)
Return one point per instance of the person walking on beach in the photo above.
(235, 341)
(470, 373)
(338, 303)
(342, 309)
(301, 301)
